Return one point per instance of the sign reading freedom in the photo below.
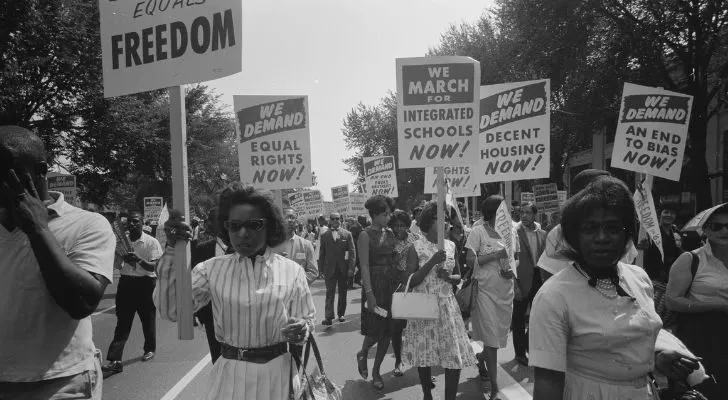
(147, 45)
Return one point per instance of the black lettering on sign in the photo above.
(513, 105)
(269, 118)
(655, 108)
(438, 84)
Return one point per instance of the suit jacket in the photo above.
(526, 264)
(200, 252)
(333, 253)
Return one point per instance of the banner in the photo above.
(652, 131)
(154, 44)
(152, 209)
(437, 111)
(356, 204)
(462, 180)
(340, 196)
(647, 214)
(274, 143)
(65, 184)
(380, 175)
(547, 197)
(515, 131)
(504, 228)
(527, 197)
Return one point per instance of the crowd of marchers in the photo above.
(591, 323)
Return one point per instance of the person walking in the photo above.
(134, 295)
(491, 316)
(378, 278)
(261, 302)
(336, 259)
(297, 248)
(532, 241)
(442, 342)
(56, 261)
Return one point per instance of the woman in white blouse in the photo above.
(260, 300)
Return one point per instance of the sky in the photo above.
(339, 53)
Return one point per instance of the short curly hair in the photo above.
(605, 193)
(400, 216)
(237, 193)
(378, 204)
(428, 216)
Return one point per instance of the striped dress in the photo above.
(251, 303)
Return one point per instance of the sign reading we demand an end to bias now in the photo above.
(152, 44)
(652, 131)
(437, 111)
(274, 145)
(515, 131)
(380, 176)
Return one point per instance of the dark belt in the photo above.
(260, 355)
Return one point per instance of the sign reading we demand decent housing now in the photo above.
(274, 145)
(515, 131)
(380, 176)
(437, 111)
(652, 131)
(153, 44)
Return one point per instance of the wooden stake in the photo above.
(642, 233)
(440, 209)
(180, 198)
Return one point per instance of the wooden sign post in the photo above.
(440, 209)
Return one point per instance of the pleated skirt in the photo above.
(240, 380)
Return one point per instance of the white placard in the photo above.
(153, 208)
(380, 175)
(340, 196)
(65, 184)
(462, 180)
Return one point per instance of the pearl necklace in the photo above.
(606, 288)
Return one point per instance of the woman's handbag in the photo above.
(315, 385)
(467, 295)
(422, 306)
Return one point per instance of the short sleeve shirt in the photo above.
(38, 339)
(147, 248)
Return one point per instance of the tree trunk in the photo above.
(699, 181)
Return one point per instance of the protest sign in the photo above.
(152, 209)
(647, 214)
(65, 184)
(296, 202)
(515, 131)
(356, 203)
(460, 179)
(527, 197)
(651, 131)
(504, 228)
(274, 145)
(562, 197)
(380, 175)
(153, 44)
(313, 203)
(329, 208)
(547, 197)
(340, 196)
(437, 111)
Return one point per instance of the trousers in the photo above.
(134, 297)
(340, 278)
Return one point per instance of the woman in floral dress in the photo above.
(443, 342)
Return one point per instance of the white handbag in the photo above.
(422, 306)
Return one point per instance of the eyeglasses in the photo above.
(335, 218)
(249, 225)
(716, 226)
(609, 229)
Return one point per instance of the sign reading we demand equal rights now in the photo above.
(515, 131)
(437, 111)
(380, 176)
(652, 131)
(153, 44)
(274, 145)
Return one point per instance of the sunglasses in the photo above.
(335, 218)
(716, 226)
(249, 225)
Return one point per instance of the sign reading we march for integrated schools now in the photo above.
(515, 131)
(437, 111)
(380, 176)
(462, 180)
(274, 145)
(154, 44)
(652, 131)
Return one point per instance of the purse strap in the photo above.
(311, 343)
(406, 288)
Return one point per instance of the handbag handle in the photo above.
(406, 288)
(311, 343)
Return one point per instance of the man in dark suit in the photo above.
(532, 241)
(200, 252)
(336, 259)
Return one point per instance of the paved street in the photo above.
(181, 369)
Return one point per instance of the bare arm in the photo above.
(549, 384)
(681, 279)
(421, 272)
(363, 242)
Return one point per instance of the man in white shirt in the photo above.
(56, 261)
(134, 294)
(297, 248)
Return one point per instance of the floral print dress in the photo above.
(443, 342)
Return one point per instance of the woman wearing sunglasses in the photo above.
(260, 300)
(701, 298)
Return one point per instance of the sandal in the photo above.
(361, 363)
(397, 371)
(377, 382)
